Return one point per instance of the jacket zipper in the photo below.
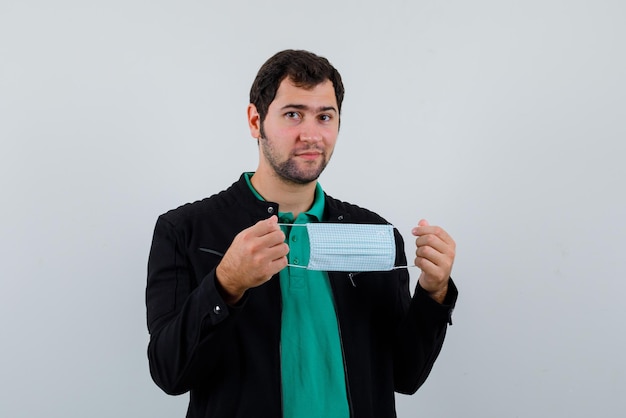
(343, 354)
(351, 276)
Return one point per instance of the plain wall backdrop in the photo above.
(503, 121)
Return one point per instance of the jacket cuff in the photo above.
(218, 310)
(441, 310)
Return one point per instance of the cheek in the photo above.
(331, 136)
(282, 132)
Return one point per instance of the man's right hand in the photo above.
(255, 255)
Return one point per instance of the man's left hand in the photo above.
(434, 255)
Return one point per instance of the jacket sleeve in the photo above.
(420, 333)
(187, 318)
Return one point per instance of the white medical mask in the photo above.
(349, 247)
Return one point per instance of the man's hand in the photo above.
(434, 254)
(255, 255)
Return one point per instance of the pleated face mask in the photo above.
(350, 247)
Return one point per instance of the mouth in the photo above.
(309, 154)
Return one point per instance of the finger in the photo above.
(265, 226)
(276, 266)
(263, 234)
(277, 252)
(427, 266)
(270, 240)
(280, 261)
(433, 270)
(435, 242)
(420, 231)
(433, 255)
(275, 258)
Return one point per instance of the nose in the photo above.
(311, 133)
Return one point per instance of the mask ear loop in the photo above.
(394, 268)
(293, 265)
(404, 267)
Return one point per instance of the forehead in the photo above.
(320, 95)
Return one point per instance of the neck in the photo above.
(291, 197)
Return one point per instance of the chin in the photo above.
(293, 173)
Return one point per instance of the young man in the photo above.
(235, 321)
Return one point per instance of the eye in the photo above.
(292, 115)
(325, 118)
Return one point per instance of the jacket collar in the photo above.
(333, 212)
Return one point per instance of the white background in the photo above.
(503, 121)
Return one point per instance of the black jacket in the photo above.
(229, 358)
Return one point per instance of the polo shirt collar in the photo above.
(317, 209)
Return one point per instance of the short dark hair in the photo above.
(303, 68)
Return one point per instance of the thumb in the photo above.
(422, 222)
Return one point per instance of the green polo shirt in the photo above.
(313, 376)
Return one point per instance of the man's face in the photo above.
(298, 135)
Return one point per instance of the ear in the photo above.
(254, 121)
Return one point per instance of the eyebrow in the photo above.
(305, 107)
